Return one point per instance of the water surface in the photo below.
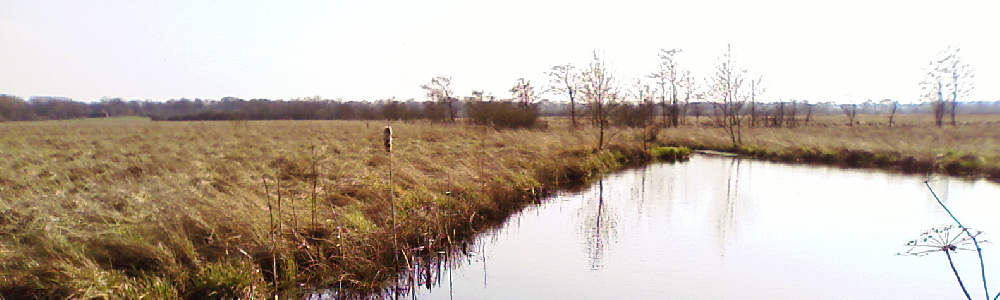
(725, 228)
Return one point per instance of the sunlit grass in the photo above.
(119, 209)
(914, 144)
(131, 208)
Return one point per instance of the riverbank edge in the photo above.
(951, 164)
(503, 198)
(355, 258)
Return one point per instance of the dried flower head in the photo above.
(941, 239)
(387, 138)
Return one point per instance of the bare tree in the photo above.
(809, 112)
(755, 89)
(439, 89)
(933, 88)
(729, 104)
(891, 106)
(960, 75)
(644, 95)
(600, 92)
(791, 114)
(523, 92)
(689, 85)
(696, 110)
(948, 78)
(563, 79)
(851, 111)
(669, 73)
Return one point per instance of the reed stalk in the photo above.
(270, 214)
(315, 178)
(387, 142)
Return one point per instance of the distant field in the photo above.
(128, 208)
(913, 135)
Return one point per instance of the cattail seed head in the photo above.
(387, 138)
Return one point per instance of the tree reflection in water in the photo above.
(598, 228)
(726, 223)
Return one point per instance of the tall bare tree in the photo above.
(439, 89)
(669, 74)
(729, 102)
(598, 88)
(851, 111)
(755, 89)
(565, 80)
(948, 78)
(891, 107)
(689, 85)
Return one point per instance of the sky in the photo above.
(842, 51)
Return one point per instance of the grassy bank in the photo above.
(135, 209)
(971, 149)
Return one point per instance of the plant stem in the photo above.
(315, 178)
(270, 213)
(979, 251)
(395, 246)
(953, 270)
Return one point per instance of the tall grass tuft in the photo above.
(671, 153)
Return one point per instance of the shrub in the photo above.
(503, 114)
(671, 153)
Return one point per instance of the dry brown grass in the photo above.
(975, 141)
(130, 208)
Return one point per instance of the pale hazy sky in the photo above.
(365, 50)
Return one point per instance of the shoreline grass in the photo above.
(971, 150)
(124, 210)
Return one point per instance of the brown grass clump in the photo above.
(130, 209)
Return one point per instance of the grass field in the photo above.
(128, 208)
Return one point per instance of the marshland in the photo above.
(128, 208)
(502, 150)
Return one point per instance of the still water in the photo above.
(726, 228)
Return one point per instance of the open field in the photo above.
(128, 208)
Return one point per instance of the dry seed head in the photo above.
(387, 138)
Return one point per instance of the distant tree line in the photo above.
(13, 108)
